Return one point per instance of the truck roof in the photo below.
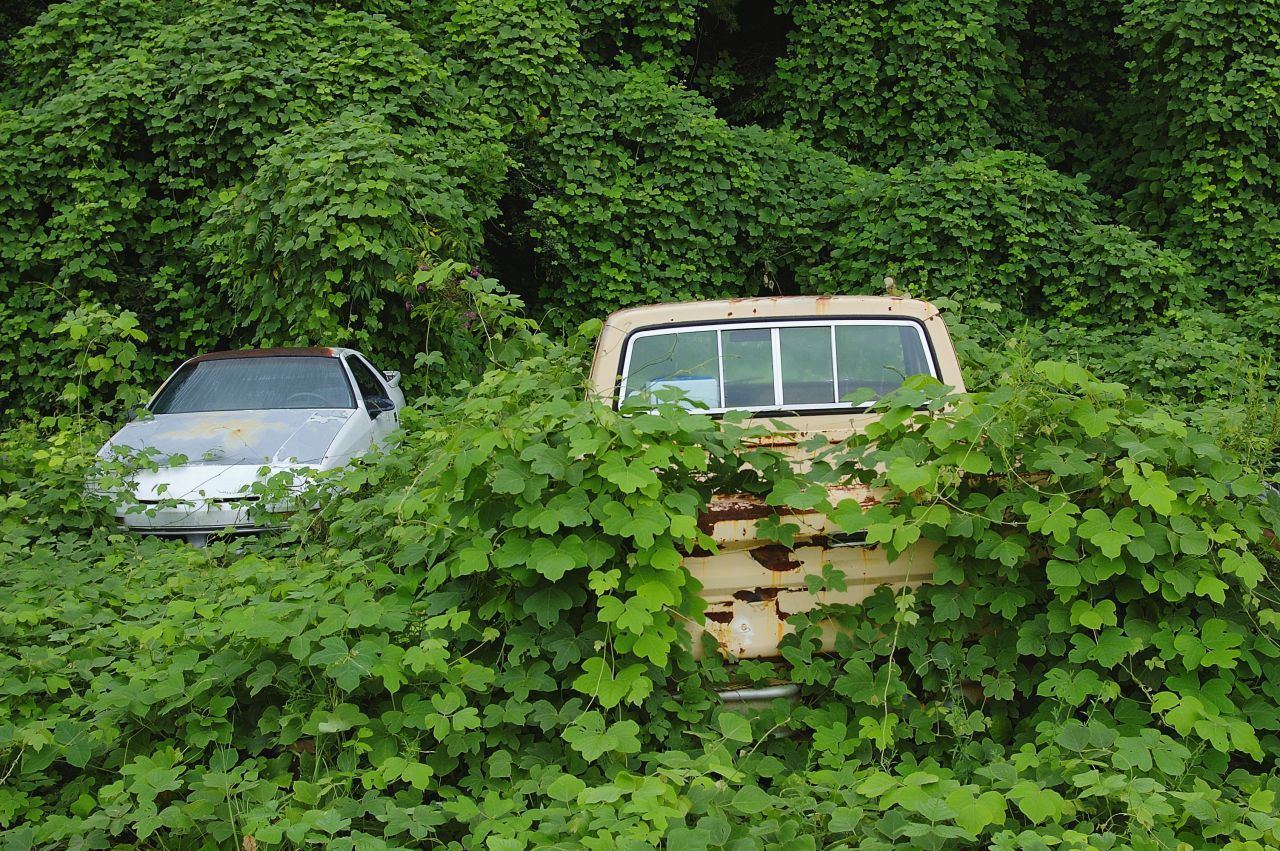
(771, 307)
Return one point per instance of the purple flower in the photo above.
(422, 288)
(408, 305)
(475, 271)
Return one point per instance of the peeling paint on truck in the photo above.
(751, 586)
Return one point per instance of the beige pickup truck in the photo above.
(791, 360)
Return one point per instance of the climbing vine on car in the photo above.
(484, 643)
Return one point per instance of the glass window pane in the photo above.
(877, 357)
(687, 362)
(256, 384)
(748, 368)
(370, 386)
(806, 365)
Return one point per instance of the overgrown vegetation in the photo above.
(483, 642)
(271, 171)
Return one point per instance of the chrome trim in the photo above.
(743, 695)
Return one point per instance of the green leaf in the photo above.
(418, 775)
(590, 737)
(734, 727)
(908, 476)
(1062, 574)
(974, 813)
(1112, 647)
(566, 787)
(554, 561)
(1039, 805)
(1149, 487)
(844, 819)
(599, 681)
(751, 800)
(547, 603)
(508, 481)
(626, 474)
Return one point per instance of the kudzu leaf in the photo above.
(508, 481)
(547, 603)
(908, 476)
(626, 474)
(974, 813)
(566, 788)
(1039, 805)
(418, 775)
(599, 681)
(590, 737)
(751, 800)
(734, 727)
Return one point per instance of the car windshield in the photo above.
(255, 384)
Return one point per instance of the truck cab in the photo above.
(802, 366)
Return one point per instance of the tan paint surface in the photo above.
(752, 586)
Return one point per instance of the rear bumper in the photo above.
(752, 586)
(754, 698)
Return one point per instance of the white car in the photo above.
(227, 420)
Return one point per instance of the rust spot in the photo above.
(1271, 539)
(212, 424)
(777, 438)
(698, 552)
(742, 506)
(775, 557)
(756, 595)
(782, 616)
(719, 617)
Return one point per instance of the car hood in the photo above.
(230, 438)
(195, 482)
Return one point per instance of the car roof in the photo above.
(288, 352)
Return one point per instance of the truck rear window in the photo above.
(793, 365)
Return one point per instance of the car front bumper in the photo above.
(196, 523)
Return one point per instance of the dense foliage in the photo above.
(271, 171)
(481, 641)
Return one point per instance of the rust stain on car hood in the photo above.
(234, 437)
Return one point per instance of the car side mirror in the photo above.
(392, 376)
(379, 405)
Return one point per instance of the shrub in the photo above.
(1001, 227)
(890, 84)
(657, 199)
(1202, 122)
(124, 133)
(316, 246)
